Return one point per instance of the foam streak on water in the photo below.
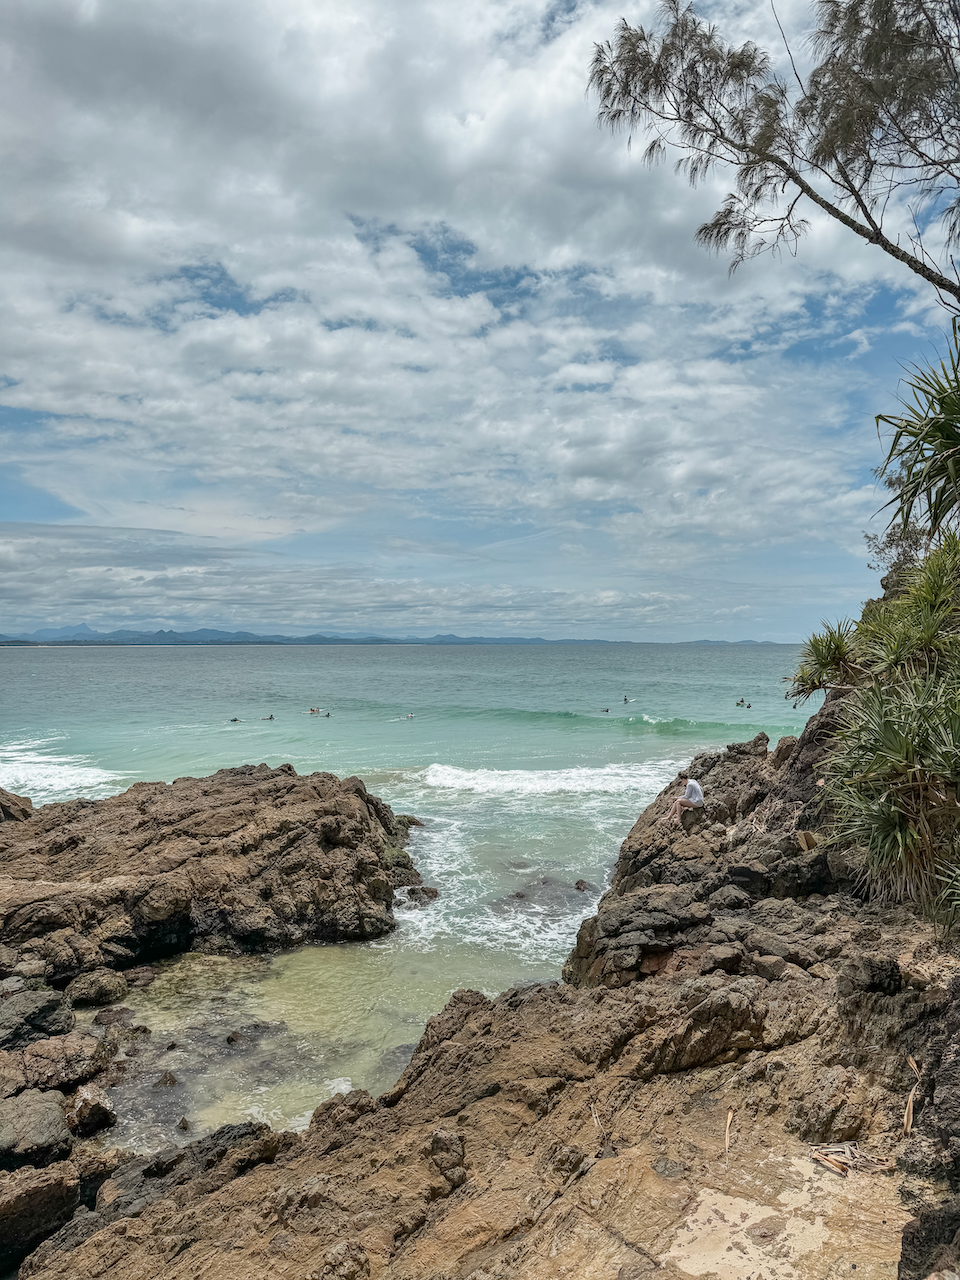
(38, 770)
(524, 764)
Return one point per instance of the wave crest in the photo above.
(610, 779)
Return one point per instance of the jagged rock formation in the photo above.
(14, 808)
(732, 1002)
(251, 858)
(675, 886)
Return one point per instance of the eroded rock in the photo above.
(99, 987)
(33, 1204)
(33, 1129)
(251, 859)
(90, 1110)
(14, 808)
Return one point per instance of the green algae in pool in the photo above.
(270, 1038)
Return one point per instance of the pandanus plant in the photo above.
(924, 450)
(893, 778)
(893, 783)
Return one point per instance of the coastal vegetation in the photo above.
(869, 132)
(871, 127)
(893, 780)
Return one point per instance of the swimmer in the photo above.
(410, 715)
(328, 715)
(606, 711)
(235, 720)
(266, 717)
(748, 706)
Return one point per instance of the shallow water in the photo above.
(524, 782)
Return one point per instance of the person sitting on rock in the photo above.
(692, 798)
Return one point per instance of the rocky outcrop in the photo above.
(33, 1129)
(14, 808)
(732, 1006)
(732, 1003)
(172, 1178)
(36, 1202)
(678, 889)
(250, 859)
(657, 1129)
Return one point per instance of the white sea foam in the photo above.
(35, 769)
(611, 779)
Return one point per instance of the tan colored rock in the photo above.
(552, 1132)
(90, 1110)
(14, 808)
(33, 1203)
(653, 1120)
(61, 1061)
(99, 987)
(252, 858)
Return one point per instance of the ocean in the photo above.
(525, 764)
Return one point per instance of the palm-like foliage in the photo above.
(894, 776)
(925, 447)
(893, 783)
(828, 658)
(915, 635)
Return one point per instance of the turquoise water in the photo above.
(525, 784)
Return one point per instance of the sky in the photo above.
(348, 317)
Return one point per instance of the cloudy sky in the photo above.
(344, 315)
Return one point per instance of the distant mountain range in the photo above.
(84, 635)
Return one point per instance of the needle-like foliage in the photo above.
(879, 116)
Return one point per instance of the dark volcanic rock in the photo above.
(250, 859)
(33, 1015)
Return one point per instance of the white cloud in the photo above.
(371, 278)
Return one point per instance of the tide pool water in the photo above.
(524, 763)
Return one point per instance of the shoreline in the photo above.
(721, 948)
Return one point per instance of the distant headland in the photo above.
(84, 636)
